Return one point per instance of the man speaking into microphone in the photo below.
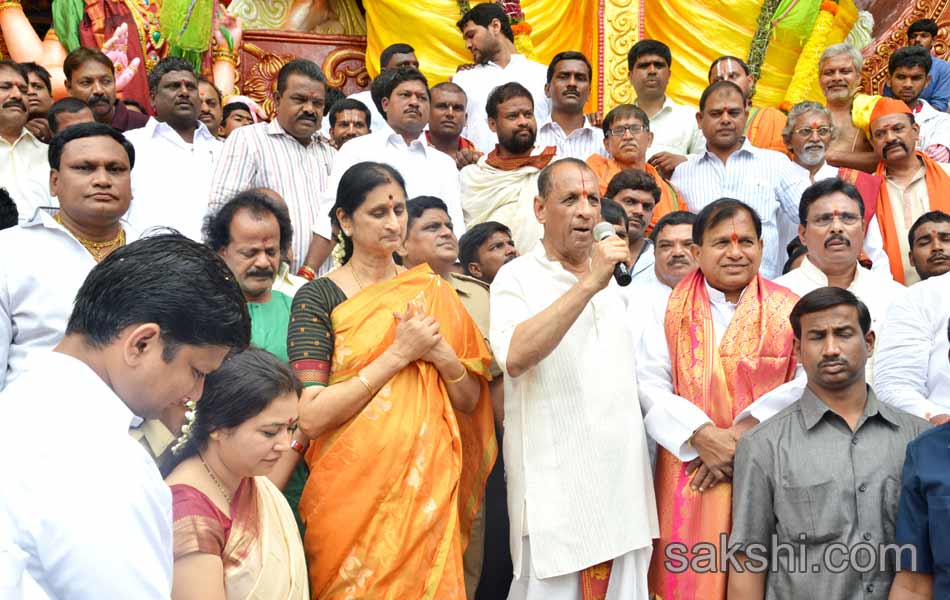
(580, 491)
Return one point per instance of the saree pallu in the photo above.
(754, 357)
(393, 492)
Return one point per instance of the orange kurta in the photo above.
(670, 198)
(754, 357)
(764, 128)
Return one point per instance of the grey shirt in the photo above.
(827, 496)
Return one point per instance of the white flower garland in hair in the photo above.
(185, 436)
(339, 251)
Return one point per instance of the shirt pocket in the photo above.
(810, 514)
(938, 519)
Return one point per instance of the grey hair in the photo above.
(804, 108)
(838, 50)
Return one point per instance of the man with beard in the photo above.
(839, 75)
(39, 98)
(764, 126)
(568, 89)
(348, 119)
(913, 182)
(24, 171)
(832, 228)
(485, 248)
(503, 184)
(908, 68)
(627, 137)
(488, 37)
(210, 112)
(174, 143)
(929, 240)
(732, 167)
(447, 121)
(90, 77)
(807, 135)
(922, 34)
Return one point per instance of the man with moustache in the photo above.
(24, 172)
(394, 56)
(210, 111)
(348, 119)
(929, 239)
(627, 137)
(39, 98)
(182, 145)
(485, 248)
(764, 126)
(447, 120)
(568, 89)
(90, 77)
(502, 185)
(839, 75)
(908, 69)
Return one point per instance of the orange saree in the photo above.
(670, 198)
(754, 357)
(392, 493)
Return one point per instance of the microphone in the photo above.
(602, 231)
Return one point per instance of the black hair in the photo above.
(613, 213)
(472, 240)
(9, 215)
(504, 93)
(333, 95)
(376, 89)
(625, 111)
(167, 65)
(417, 206)
(41, 72)
(741, 63)
(242, 388)
(677, 217)
(78, 57)
(646, 48)
(63, 105)
(392, 50)
(826, 187)
(825, 298)
(722, 84)
(299, 66)
(166, 279)
(569, 55)
(230, 107)
(349, 104)
(135, 103)
(448, 86)
(547, 173)
(718, 211)
(84, 130)
(924, 25)
(633, 179)
(217, 225)
(396, 77)
(934, 216)
(355, 184)
(15, 67)
(795, 248)
(483, 14)
(909, 57)
(203, 79)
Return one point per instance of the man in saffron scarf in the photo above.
(502, 185)
(705, 362)
(913, 183)
(764, 126)
(627, 136)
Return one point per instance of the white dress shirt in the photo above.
(83, 501)
(934, 128)
(24, 173)
(36, 297)
(579, 478)
(645, 299)
(579, 144)
(913, 368)
(764, 179)
(426, 171)
(672, 419)
(377, 120)
(171, 178)
(675, 130)
(642, 271)
(478, 83)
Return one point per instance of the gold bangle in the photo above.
(224, 55)
(10, 4)
(365, 382)
(460, 377)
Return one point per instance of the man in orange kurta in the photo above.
(707, 360)
(627, 136)
(764, 126)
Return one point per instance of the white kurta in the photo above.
(913, 369)
(85, 504)
(579, 478)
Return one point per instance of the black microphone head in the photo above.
(603, 230)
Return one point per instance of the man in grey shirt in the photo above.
(816, 486)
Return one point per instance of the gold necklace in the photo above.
(226, 495)
(356, 277)
(93, 247)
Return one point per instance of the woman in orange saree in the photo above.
(397, 407)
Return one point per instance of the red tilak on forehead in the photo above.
(583, 185)
(835, 213)
(815, 124)
(735, 238)
(933, 233)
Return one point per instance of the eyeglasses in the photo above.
(827, 219)
(633, 129)
(806, 132)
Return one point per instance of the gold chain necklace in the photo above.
(226, 495)
(356, 277)
(93, 247)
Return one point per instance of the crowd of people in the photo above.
(467, 341)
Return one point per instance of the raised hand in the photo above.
(605, 256)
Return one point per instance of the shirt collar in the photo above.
(26, 135)
(109, 408)
(155, 127)
(745, 147)
(813, 409)
(515, 58)
(275, 128)
(396, 140)
(816, 275)
(717, 297)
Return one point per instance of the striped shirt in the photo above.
(579, 144)
(264, 155)
(764, 179)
